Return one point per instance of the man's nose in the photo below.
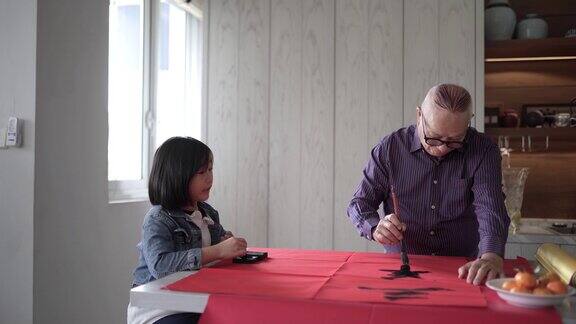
(444, 148)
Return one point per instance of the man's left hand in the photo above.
(488, 266)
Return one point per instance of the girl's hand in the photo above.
(232, 247)
(226, 236)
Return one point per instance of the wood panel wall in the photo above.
(299, 91)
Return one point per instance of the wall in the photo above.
(84, 248)
(299, 92)
(17, 84)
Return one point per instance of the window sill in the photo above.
(127, 191)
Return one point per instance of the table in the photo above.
(217, 308)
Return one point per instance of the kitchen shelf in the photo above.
(545, 47)
(561, 132)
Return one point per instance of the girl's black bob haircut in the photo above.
(175, 163)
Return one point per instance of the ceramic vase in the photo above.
(499, 20)
(532, 27)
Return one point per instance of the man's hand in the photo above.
(389, 230)
(487, 267)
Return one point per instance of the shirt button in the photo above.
(435, 181)
(432, 232)
(433, 207)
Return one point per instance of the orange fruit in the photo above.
(525, 279)
(542, 291)
(520, 289)
(541, 283)
(557, 287)
(544, 280)
(508, 284)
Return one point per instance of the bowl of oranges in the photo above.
(527, 290)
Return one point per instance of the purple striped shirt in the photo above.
(454, 206)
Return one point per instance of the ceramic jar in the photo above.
(532, 27)
(499, 20)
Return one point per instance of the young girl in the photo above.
(180, 231)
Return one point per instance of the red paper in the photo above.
(427, 270)
(497, 312)
(320, 255)
(221, 281)
(264, 293)
(222, 309)
(286, 266)
(372, 257)
(405, 291)
(458, 315)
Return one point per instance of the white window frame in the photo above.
(122, 191)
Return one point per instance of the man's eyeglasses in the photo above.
(432, 141)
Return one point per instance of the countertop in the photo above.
(539, 229)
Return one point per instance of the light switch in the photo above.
(14, 134)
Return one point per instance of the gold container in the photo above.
(556, 260)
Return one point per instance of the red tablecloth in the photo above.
(304, 286)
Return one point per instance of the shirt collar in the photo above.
(182, 213)
(416, 144)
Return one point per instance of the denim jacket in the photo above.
(171, 243)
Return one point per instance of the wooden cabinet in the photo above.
(559, 48)
(537, 72)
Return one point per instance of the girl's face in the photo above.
(200, 184)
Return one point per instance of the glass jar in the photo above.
(513, 181)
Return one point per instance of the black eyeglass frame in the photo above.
(433, 141)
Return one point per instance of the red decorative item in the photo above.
(509, 118)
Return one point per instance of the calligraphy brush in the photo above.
(405, 268)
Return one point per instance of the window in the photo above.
(154, 86)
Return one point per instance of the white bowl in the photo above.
(526, 300)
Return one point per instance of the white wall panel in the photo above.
(252, 136)
(299, 93)
(285, 123)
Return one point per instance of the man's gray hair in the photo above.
(451, 97)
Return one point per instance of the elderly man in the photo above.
(447, 179)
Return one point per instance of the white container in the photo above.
(499, 20)
(532, 27)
